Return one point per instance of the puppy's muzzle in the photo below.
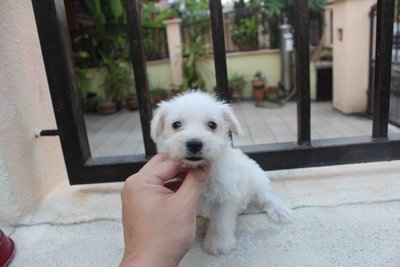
(194, 147)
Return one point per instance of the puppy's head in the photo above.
(193, 127)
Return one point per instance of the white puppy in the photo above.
(194, 128)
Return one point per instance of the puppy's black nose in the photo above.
(194, 145)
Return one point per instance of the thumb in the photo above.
(189, 192)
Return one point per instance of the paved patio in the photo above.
(120, 133)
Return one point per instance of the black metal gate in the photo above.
(394, 110)
(82, 168)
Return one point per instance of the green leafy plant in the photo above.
(82, 81)
(96, 11)
(111, 11)
(158, 94)
(272, 12)
(195, 17)
(116, 80)
(276, 7)
(194, 51)
(150, 19)
(109, 40)
(153, 30)
(81, 75)
(237, 80)
(159, 91)
(245, 33)
(236, 83)
(194, 10)
(258, 76)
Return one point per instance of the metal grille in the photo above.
(394, 103)
(82, 168)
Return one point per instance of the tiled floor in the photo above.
(120, 133)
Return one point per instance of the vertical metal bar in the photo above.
(55, 43)
(217, 29)
(139, 68)
(301, 37)
(383, 67)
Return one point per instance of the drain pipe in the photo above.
(286, 43)
(286, 88)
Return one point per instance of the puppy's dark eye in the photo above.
(176, 125)
(212, 125)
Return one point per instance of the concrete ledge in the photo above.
(346, 215)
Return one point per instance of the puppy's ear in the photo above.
(231, 119)
(158, 121)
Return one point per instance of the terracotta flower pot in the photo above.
(236, 93)
(272, 92)
(157, 98)
(258, 83)
(7, 249)
(90, 103)
(107, 108)
(258, 95)
(131, 102)
(174, 92)
(118, 103)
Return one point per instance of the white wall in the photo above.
(29, 167)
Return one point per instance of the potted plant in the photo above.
(236, 85)
(175, 91)
(258, 83)
(89, 99)
(158, 94)
(90, 102)
(106, 107)
(116, 82)
(83, 83)
(131, 101)
(273, 92)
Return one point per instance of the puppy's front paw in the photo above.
(216, 246)
(280, 214)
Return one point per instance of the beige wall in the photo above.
(246, 64)
(328, 27)
(29, 166)
(266, 61)
(351, 54)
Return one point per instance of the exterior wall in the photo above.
(29, 166)
(350, 55)
(159, 72)
(328, 27)
(248, 63)
(243, 63)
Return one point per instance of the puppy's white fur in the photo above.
(235, 181)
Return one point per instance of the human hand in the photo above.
(160, 224)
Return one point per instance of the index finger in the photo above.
(189, 192)
(163, 171)
(156, 159)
